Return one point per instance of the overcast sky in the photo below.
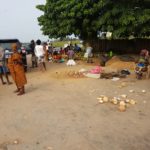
(18, 19)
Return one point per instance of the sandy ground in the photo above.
(61, 113)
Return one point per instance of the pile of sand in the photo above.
(112, 60)
(116, 63)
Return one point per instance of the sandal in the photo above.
(17, 90)
(9, 83)
(21, 93)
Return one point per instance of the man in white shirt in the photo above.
(89, 54)
(40, 54)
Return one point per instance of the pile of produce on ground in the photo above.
(66, 74)
(75, 74)
(122, 101)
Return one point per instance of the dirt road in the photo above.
(58, 113)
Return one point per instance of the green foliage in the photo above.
(85, 18)
(61, 43)
(126, 17)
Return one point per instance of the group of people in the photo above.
(40, 52)
(14, 65)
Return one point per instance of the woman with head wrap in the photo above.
(16, 68)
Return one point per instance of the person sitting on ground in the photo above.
(3, 67)
(143, 62)
(144, 58)
(62, 51)
(40, 54)
(104, 59)
(56, 56)
(144, 54)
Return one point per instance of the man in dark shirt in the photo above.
(33, 58)
(3, 67)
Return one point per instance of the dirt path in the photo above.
(57, 113)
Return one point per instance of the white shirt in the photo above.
(89, 51)
(39, 51)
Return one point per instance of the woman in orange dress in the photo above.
(16, 68)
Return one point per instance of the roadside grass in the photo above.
(61, 43)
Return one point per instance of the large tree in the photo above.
(125, 17)
(85, 18)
